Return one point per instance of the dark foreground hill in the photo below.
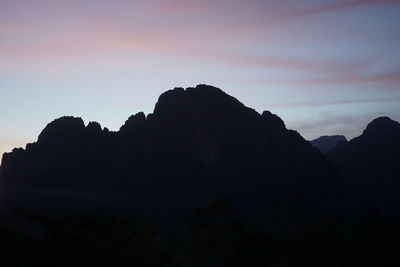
(327, 143)
(198, 145)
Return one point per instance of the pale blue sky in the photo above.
(325, 67)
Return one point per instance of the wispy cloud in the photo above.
(336, 74)
(389, 78)
(346, 4)
(132, 26)
(335, 102)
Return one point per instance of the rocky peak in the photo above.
(202, 98)
(62, 128)
(94, 126)
(382, 126)
(273, 121)
(134, 122)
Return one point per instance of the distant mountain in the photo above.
(198, 145)
(327, 143)
(371, 162)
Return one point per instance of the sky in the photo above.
(324, 66)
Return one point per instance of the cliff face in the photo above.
(199, 144)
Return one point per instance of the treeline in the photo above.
(213, 237)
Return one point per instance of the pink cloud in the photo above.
(94, 35)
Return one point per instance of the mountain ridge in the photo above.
(199, 144)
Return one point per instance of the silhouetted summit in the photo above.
(327, 143)
(274, 122)
(198, 145)
(371, 163)
(62, 129)
(382, 127)
(376, 150)
(200, 98)
(134, 122)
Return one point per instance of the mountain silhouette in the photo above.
(198, 145)
(373, 152)
(206, 181)
(371, 163)
(327, 143)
